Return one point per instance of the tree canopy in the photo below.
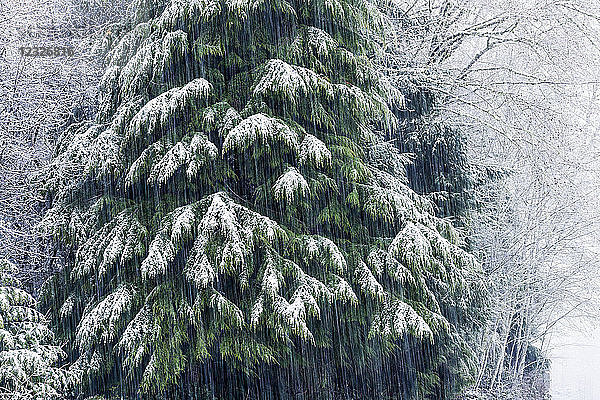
(237, 219)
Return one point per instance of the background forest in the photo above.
(294, 199)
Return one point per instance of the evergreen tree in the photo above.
(236, 222)
(440, 171)
(440, 168)
(27, 357)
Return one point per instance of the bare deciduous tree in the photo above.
(39, 96)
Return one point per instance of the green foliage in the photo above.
(27, 356)
(235, 208)
(440, 168)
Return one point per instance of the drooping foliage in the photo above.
(440, 171)
(28, 357)
(238, 224)
(440, 168)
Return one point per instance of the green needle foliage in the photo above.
(236, 224)
(27, 357)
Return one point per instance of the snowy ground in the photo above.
(575, 371)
